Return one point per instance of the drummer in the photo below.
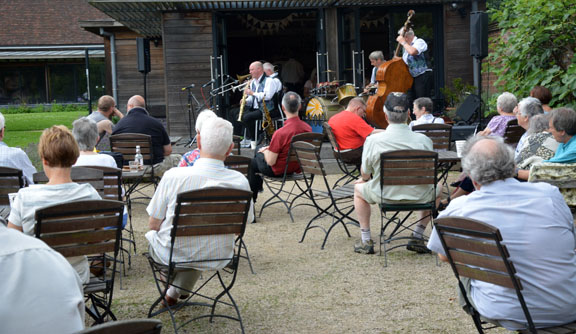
(350, 130)
(376, 59)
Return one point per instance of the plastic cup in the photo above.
(460, 147)
(133, 166)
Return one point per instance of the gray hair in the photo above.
(424, 102)
(487, 159)
(376, 55)
(507, 102)
(539, 123)
(396, 116)
(564, 119)
(530, 106)
(409, 32)
(85, 131)
(291, 102)
(268, 66)
(217, 137)
(202, 117)
(2, 121)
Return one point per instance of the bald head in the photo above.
(136, 101)
(256, 70)
(487, 159)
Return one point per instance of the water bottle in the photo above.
(138, 157)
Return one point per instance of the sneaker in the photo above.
(417, 245)
(245, 143)
(364, 247)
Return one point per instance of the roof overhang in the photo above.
(145, 16)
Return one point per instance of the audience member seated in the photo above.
(190, 158)
(505, 105)
(58, 151)
(537, 228)
(544, 95)
(215, 143)
(271, 160)
(527, 108)
(85, 132)
(397, 136)
(41, 292)
(422, 109)
(539, 145)
(563, 128)
(350, 130)
(137, 120)
(14, 157)
(103, 118)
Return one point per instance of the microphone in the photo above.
(208, 83)
(188, 87)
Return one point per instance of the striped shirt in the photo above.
(205, 173)
(14, 157)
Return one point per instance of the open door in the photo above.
(219, 65)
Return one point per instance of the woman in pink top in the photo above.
(505, 105)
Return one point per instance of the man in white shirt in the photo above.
(14, 157)
(537, 228)
(41, 292)
(215, 144)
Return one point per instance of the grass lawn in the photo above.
(24, 129)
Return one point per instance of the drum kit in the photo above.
(329, 98)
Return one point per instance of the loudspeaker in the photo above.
(469, 107)
(478, 34)
(143, 48)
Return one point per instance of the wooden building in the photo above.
(197, 41)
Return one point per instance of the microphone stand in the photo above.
(191, 99)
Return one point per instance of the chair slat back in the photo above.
(112, 181)
(408, 167)
(513, 132)
(10, 182)
(308, 157)
(309, 137)
(440, 134)
(92, 176)
(211, 211)
(331, 137)
(126, 143)
(137, 326)
(239, 163)
(474, 250)
(78, 228)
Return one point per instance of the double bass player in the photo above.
(414, 56)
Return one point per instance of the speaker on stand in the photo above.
(143, 51)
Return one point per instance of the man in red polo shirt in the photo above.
(271, 160)
(350, 130)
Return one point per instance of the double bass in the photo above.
(392, 76)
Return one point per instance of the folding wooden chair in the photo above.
(513, 133)
(137, 326)
(243, 165)
(126, 143)
(475, 250)
(203, 212)
(10, 182)
(351, 172)
(405, 168)
(82, 228)
(277, 184)
(441, 136)
(340, 204)
(94, 177)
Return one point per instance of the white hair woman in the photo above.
(190, 158)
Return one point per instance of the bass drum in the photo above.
(322, 108)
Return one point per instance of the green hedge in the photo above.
(54, 107)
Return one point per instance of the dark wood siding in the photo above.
(187, 49)
(457, 60)
(131, 82)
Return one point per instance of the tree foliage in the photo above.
(536, 46)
